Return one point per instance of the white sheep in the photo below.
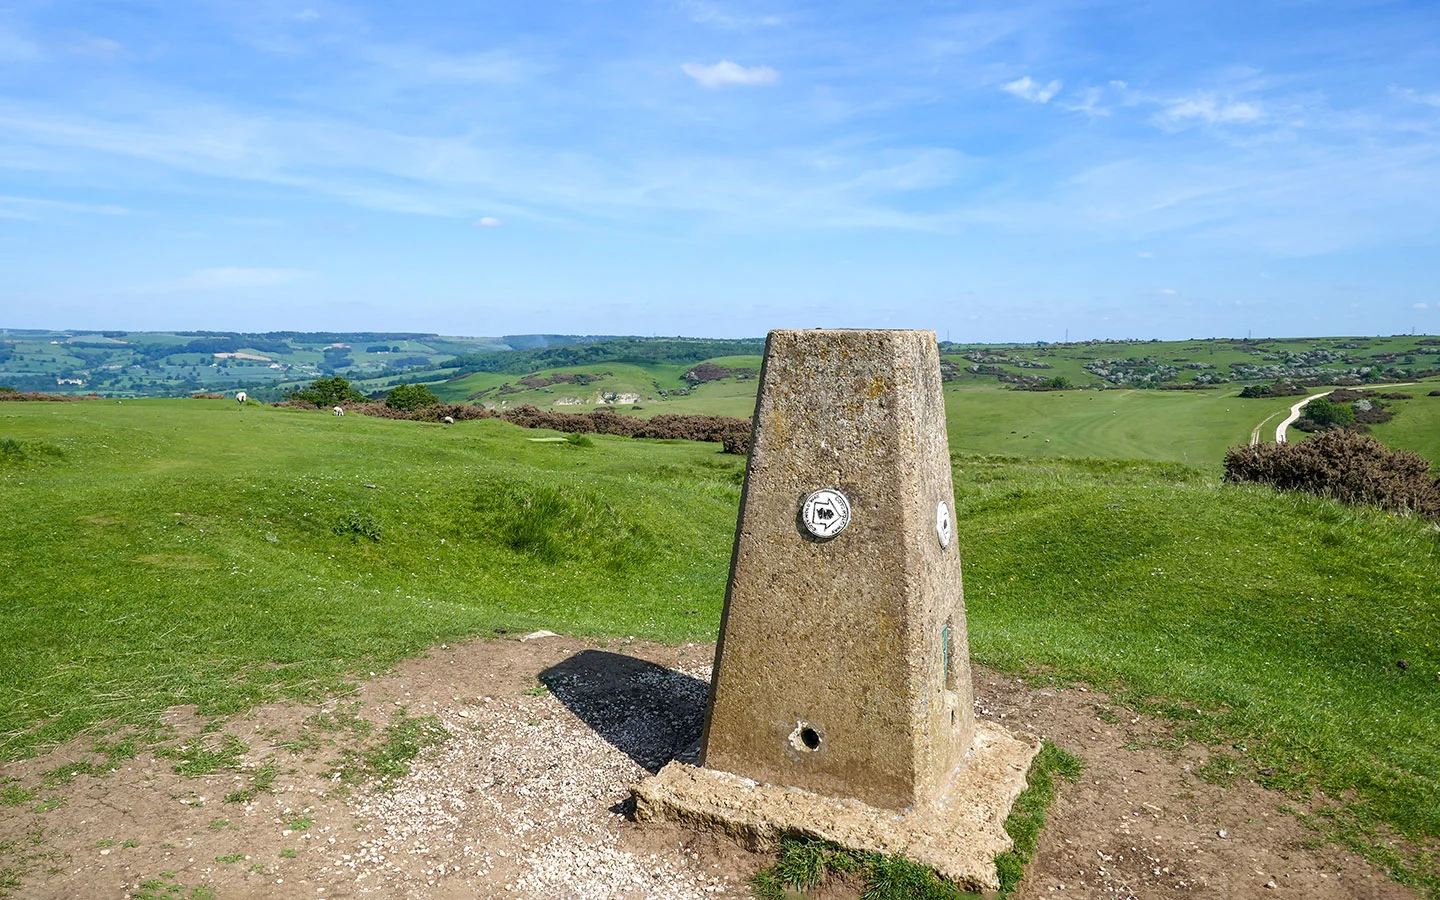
(339, 410)
(448, 420)
(241, 397)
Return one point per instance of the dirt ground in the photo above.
(528, 798)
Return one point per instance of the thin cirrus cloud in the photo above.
(702, 13)
(229, 278)
(14, 48)
(489, 222)
(1028, 88)
(1415, 96)
(1206, 108)
(728, 74)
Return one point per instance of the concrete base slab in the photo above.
(959, 837)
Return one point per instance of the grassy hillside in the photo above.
(202, 552)
(1416, 425)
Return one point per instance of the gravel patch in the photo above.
(547, 789)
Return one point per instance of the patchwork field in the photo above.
(172, 552)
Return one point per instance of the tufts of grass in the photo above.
(288, 853)
(357, 525)
(165, 887)
(11, 794)
(15, 452)
(555, 524)
(1220, 768)
(261, 782)
(1027, 817)
(803, 863)
(201, 757)
(389, 760)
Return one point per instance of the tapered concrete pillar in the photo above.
(843, 666)
(841, 701)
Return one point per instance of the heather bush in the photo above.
(1343, 464)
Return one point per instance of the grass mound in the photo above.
(17, 453)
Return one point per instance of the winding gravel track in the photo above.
(1295, 414)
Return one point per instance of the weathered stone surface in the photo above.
(843, 666)
(841, 706)
(959, 837)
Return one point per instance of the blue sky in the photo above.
(1003, 171)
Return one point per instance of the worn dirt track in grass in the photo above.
(527, 798)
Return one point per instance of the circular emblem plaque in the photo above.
(942, 524)
(825, 513)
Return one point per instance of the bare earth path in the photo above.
(527, 798)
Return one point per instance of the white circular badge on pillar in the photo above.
(825, 513)
(942, 524)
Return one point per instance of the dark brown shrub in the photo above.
(1339, 463)
(732, 434)
(37, 396)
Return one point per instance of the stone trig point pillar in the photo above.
(841, 704)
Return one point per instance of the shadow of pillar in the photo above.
(650, 713)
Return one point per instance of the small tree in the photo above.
(333, 391)
(1328, 414)
(410, 396)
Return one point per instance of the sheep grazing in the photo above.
(339, 410)
(241, 397)
(448, 420)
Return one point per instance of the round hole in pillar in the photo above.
(806, 738)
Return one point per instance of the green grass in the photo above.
(388, 761)
(166, 888)
(187, 552)
(1027, 817)
(205, 757)
(1184, 426)
(1416, 425)
(803, 864)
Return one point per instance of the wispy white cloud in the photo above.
(726, 73)
(14, 48)
(1206, 108)
(1087, 102)
(426, 66)
(229, 278)
(307, 15)
(716, 16)
(1029, 89)
(27, 207)
(1420, 305)
(1415, 96)
(1169, 292)
(98, 48)
(1145, 254)
(489, 222)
